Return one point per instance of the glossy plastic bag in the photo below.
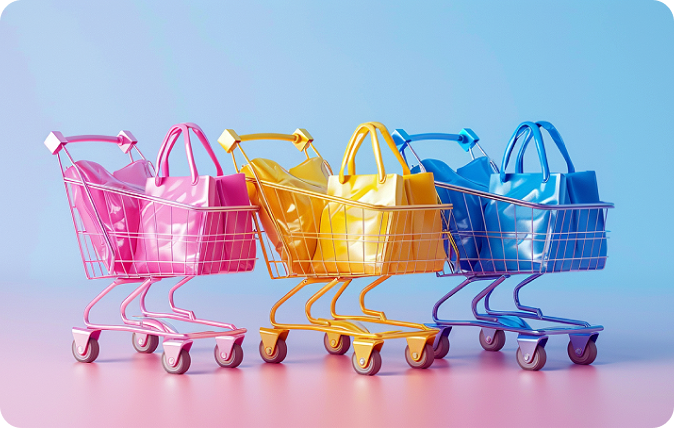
(466, 222)
(188, 241)
(119, 214)
(361, 241)
(296, 217)
(521, 238)
(588, 228)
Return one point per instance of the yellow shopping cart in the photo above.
(330, 240)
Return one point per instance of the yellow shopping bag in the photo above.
(289, 217)
(381, 232)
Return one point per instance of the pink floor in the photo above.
(41, 385)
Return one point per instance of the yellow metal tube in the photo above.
(316, 296)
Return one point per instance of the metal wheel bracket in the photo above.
(444, 331)
(333, 338)
(81, 337)
(528, 345)
(579, 341)
(226, 343)
(489, 335)
(417, 345)
(363, 349)
(270, 336)
(172, 349)
(141, 339)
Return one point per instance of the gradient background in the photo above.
(601, 71)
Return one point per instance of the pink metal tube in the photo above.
(179, 314)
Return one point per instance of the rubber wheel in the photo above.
(442, 349)
(589, 354)
(235, 358)
(279, 353)
(340, 348)
(372, 367)
(497, 343)
(92, 351)
(536, 363)
(184, 361)
(150, 346)
(427, 357)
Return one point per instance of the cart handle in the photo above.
(466, 138)
(56, 141)
(301, 139)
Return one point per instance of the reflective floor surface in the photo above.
(630, 384)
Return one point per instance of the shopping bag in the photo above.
(184, 241)
(288, 216)
(361, 241)
(588, 228)
(521, 238)
(466, 221)
(111, 214)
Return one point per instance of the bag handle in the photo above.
(170, 140)
(349, 161)
(530, 129)
(556, 137)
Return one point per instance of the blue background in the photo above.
(601, 71)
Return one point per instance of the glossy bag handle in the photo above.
(167, 145)
(538, 139)
(556, 137)
(349, 161)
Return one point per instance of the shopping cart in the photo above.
(309, 254)
(105, 241)
(563, 251)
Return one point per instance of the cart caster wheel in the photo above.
(442, 349)
(373, 366)
(536, 362)
(340, 348)
(184, 361)
(497, 342)
(427, 357)
(234, 360)
(589, 354)
(92, 352)
(151, 343)
(279, 353)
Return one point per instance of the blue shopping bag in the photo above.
(466, 221)
(588, 225)
(521, 238)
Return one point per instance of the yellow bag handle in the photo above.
(349, 161)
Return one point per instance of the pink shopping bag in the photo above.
(194, 236)
(119, 215)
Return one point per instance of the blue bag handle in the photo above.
(556, 137)
(538, 139)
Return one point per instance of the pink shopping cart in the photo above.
(128, 233)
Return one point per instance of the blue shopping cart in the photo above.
(499, 236)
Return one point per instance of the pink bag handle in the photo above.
(170, 140)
